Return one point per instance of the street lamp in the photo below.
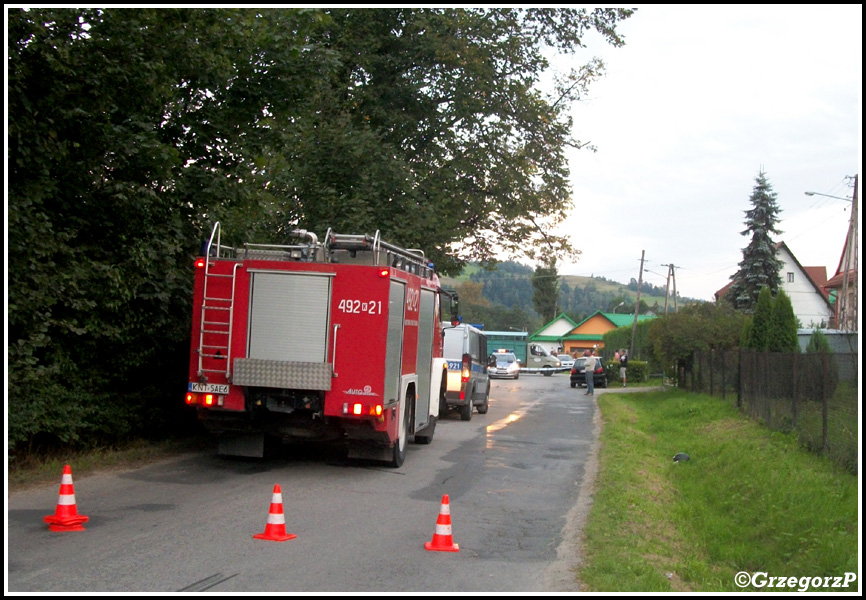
(828, 195)
(846, 308)
(617, 306)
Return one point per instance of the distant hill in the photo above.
(510, 286)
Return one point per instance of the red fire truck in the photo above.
(333, 340)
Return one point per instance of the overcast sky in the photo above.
(698, 101)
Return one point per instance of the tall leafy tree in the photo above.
(433, 128)
(760, 267)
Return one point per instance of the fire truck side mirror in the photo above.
(454, 305)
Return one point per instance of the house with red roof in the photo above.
(842, 288)
(805, 286)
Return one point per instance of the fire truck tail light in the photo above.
(376, 410)
(199, 263)
(209, 399)
(357, 409)
(384, 272)
(190, 398)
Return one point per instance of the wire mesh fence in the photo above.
(812, 394)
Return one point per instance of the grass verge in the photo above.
(33, 470)
(749, 499)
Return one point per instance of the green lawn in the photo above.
(747, 500)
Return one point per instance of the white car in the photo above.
(505, 365)
(566, 360)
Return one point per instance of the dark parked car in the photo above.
(599, 376)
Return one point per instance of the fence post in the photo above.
(824, 399)
(768, 409)
(712, 359)
(794, 395)
(692, 374)
(739, 377)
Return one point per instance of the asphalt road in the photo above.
(518, 483)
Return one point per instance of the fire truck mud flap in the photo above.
(425, 436)
(245, 444)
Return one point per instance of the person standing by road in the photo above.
(588, 369)
(623, 365)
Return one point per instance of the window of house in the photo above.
(790, 278)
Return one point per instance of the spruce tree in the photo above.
(759, 267)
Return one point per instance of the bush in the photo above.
(638, 370)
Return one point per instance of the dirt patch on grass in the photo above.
(723, 426)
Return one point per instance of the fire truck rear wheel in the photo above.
(398, 451)
(443, 405)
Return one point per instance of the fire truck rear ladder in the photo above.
(216, 313)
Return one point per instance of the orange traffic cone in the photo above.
(442, 538)
(275, 530)
(66, 517)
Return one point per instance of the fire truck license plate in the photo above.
(209, 388)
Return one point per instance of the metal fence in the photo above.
(814, 394)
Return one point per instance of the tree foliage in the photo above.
(818, 342)
(783, 330)
(432, 128)
(132, 130)
(761, 325)
(507, 284)
(773, 326)
(760, 267)
(545, 283)
(701, 326)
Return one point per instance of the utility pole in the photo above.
(674, 277)
(847, 315)
(636, 305)
(671, 275)
(846, 302)
(667, 287)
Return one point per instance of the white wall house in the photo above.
(551, 334)
(808, 298)
(803, 286)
